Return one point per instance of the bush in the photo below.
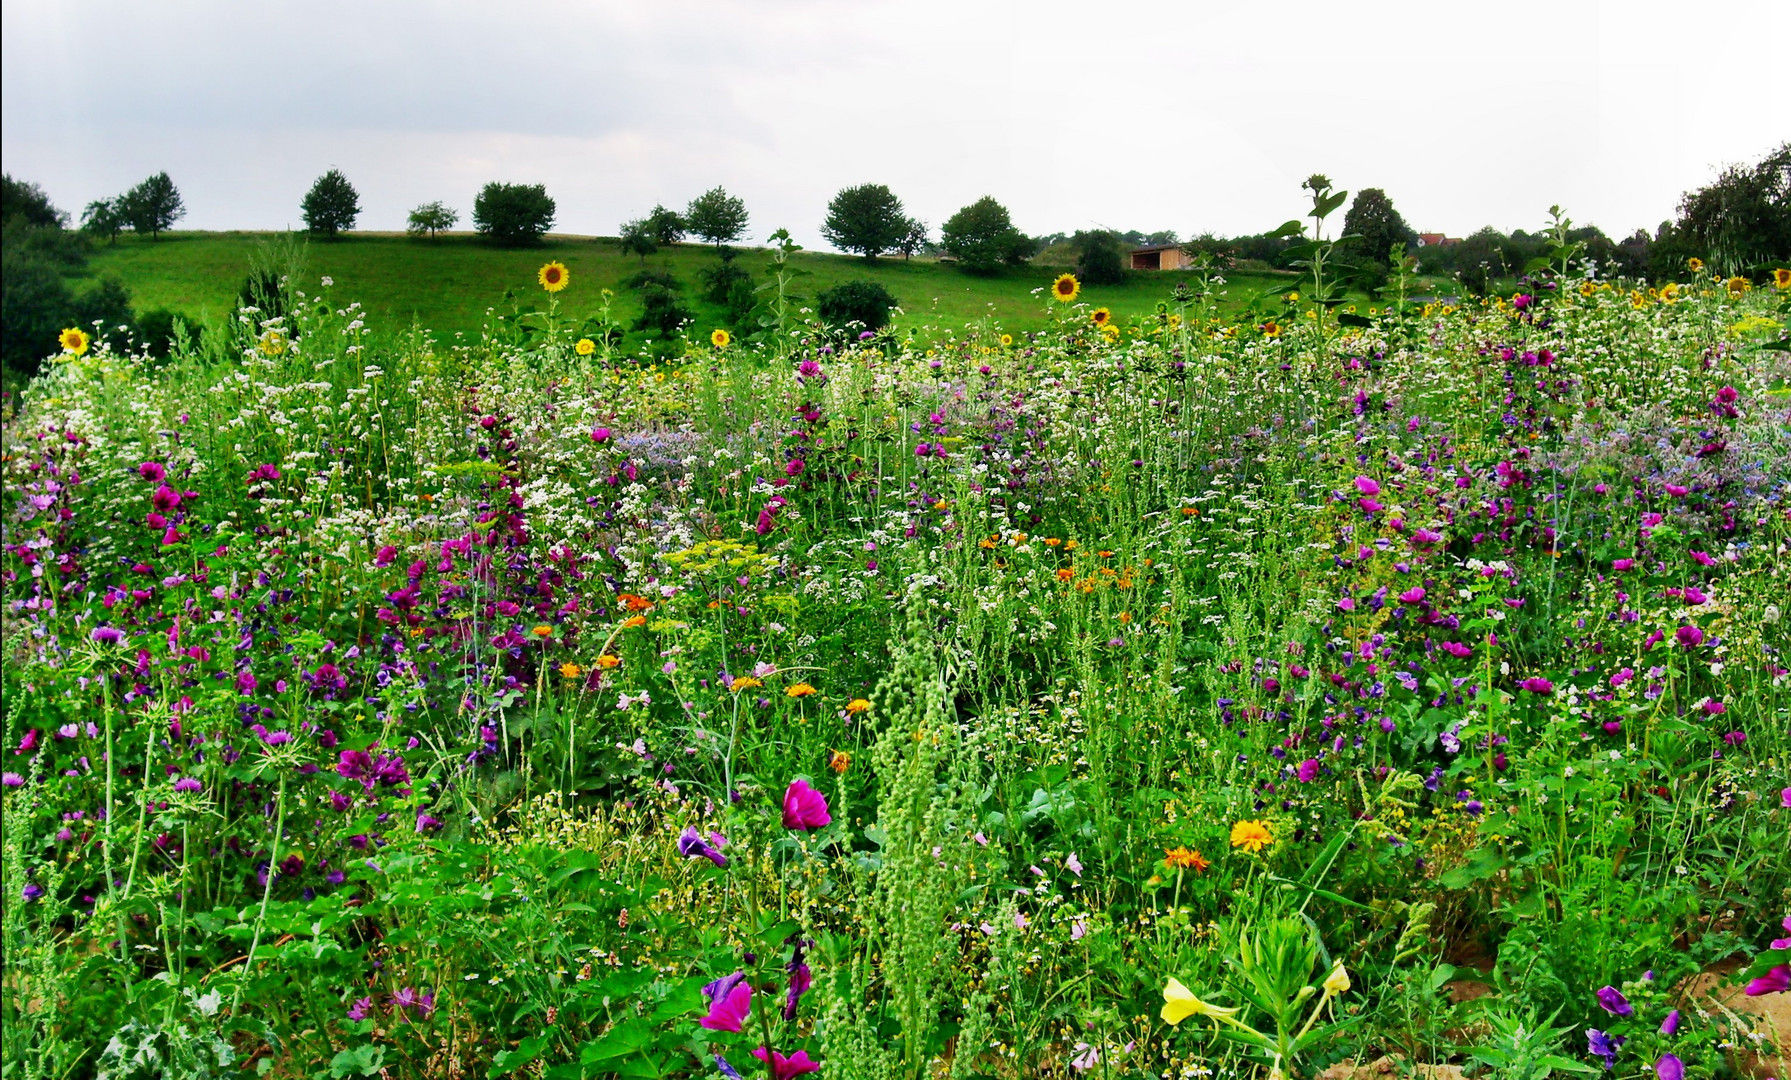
(662, 307)
(26, 203)
(155, 330)
(35, 304)
(863, 302)
(513, 215)
(867, 219)
(637, 238)
(331, 205)
(1098, 260)
(728, 285)
(983, 238)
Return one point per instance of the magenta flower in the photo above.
(804, 807)
(1537, 686)
(1689, 636)
(1670, 1025)
(1367, 486)
(152, 471)
(360, 1009)
(1776, 981)
(1457, 650)
(600, 434)
(1611, 1000)
(1308, 770)
(1622, 564)
(730, 1002)
(1669, 1067)
(691, 845)
(782, 1067)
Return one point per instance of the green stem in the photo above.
(273, 866)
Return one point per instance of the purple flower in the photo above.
(107, 635)
(1689, 636)
(1776, 981)
(1670, 1025)
(691, 845)
(152, 471)
(804, 807)
(12, 779)
(1604, 1045)
(1367, 486)
(1735, 738)
(726, 1070)
(730, 1002)
(1307, 771)
(782, 1068)
(1669, 1067)
(1538, 686)
(360, 1009)
(800, 981)
(1413, 595)
(427, 822)
(1611, 1000)
(188, 783)
(600, 434)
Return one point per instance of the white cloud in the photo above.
(1190, 116)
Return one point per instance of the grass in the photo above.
(448, 284)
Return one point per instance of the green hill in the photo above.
(448, 284)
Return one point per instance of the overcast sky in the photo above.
(1187, 115)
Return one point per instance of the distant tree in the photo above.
(867, 219)
(667, 226)
(1373, 217)
(638, 238)
(513, 215)
(24, 202)
(332, 204)
(862, 303)
(1098, 260)
(662, 309)
(153, 206)
(1742, 220)
(104, 218)
(431, 218)
(914, 239)
(717, 217)
(983, 239)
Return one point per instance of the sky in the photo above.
(1128, 114)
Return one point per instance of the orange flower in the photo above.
(570, 670)
(1065, 574)
(1105, 554)
(987, 542)
(1190, 511)
(1052, 541)
(1251, 836)
(633, 621)
(858, 705)
(800, 690)
(1182, 858)
(838, 760)
(635, 603)
(745, 682)
(542, 631)
(608, 660)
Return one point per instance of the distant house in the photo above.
(1436, 239)
(1159, 257)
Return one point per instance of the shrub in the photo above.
(867, 219)
(864, 302)
(513, 215)
(1098, 259)
(26, 203)
(983, 238)
(729, 285)
(637, 238)
(155, 330)
(331, 205)
(662, 307)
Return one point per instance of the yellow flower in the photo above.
(542, 631)
(633, 621)
(1110, 331)
(1007, 341)
(554, 276)
(719, 338)
(608, 660)
(1781, 278)
(858, 705)
(1669, 292)
(1066, 288)
(839, 761)
(1251, 836)
(1587, 288)
(272, 343)
(800, 690)
(1099, 316)
(570, 670)
(745, 682)
(1694, 264)
(1271, 329)
(1179, 1003)
(1337, 981)
(74, 341)
(585, 346)
(1180, 858)
(1738, 286)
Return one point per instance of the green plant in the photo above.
(430, 219)
(867, 219)
(863, 304)
(513, 214)
(983, 238)
(715, 216)
(332, 205)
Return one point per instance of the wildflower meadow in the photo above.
(1332, 689)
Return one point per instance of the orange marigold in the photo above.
(1183, 858)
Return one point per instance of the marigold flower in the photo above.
(1251, 836)
(800, 690)
(74, 341)
(720, 338)
(857, 706)
(608, 660)
(745, 682)
(635, 603)
(1183, 858)
(542, 631)
(554, 276)
(838, 760)
(1066, 288)
(633, 621)
(1066, 574)
(585, 346)
(570, 670)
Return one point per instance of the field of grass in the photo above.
(448, 284)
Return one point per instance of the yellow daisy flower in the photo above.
(1251, 836)
(585, 346)
(720, 338)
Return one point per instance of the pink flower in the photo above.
(1308, 770)
(1776, 981)
(804, 807)
(600, 434)
(1689, 636)
(1367, 486)
(730, 1002)
(1538, 686)
(781, 1067)
(1622, 564)
(1457, 650)
(1413, 595)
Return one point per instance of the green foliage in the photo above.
(430, 219)
(667, 226)
(983, 239)
(1377, 226)
(513, 215)
(638, 237)
(332, 205)
(1098, 258)
(867, 219)
(716, 216)
(26, 203)
(864, 305)
(104, 218)
(662, 307)
(729, 286)
(153, 206)
(1741, 222)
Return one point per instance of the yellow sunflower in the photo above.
(1694, 264)
(1110, 331)
(720, 338)
(554, 276)
(1271, 329)
(1099, 316)
(1007, 341)
(1066, 288)
(1669, 292)
(1781, 278)
(75, 341)
(1251, 836)
(1738, 286)
(1587, 288)
(585, 346)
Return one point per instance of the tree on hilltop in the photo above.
(638, 237)
(153, 206)
(983, 239)
(332, 204)
(868, 219)
(513, 214)
(717, 217)
(431, 218)
(667, 225)
(104, 218)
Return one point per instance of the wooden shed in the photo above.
(1159, 257)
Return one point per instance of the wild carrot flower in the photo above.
(1251, 836)
(804, 807)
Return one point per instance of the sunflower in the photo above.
(1738, 286)
(1099, 316)
(1251, 836)
(1271, 329)
(720, 338)
(1066, 288)
(554, 276)
(1694, 264)
(585, 346)
(1781, 278)
(1007, 341)
(1669, 292)
(75, 341)
(1110, 331)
